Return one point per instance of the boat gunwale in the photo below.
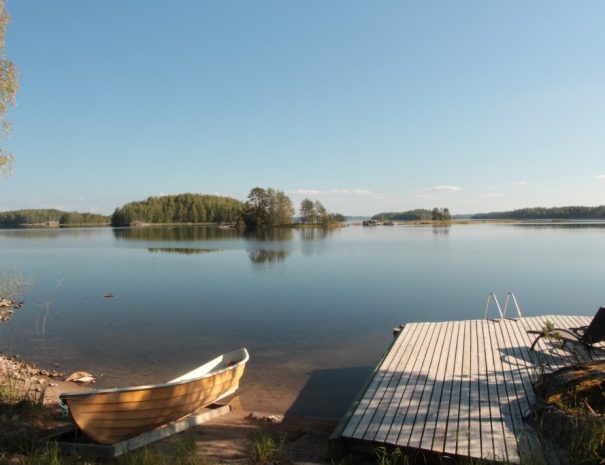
(91, 392)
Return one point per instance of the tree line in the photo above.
(181, 208)
(419, 214)
(541, 213)
(315, 213)
(270, 207)
(19, 218)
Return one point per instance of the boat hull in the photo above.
(113, 415)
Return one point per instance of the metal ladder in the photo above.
(492, 296)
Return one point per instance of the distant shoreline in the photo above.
(466, 221)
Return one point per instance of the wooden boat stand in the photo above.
(70, 439)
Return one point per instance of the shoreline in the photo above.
(458, 221)
(230, 437)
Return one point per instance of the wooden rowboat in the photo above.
(109, 416)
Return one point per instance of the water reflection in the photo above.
(314, 234)
(269, 234)
(176, 233)
(441, 230)
(314, 240)
(181, 250)
(562, 225)
(262, 256)
(50, 233)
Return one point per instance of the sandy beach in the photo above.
(224, 439)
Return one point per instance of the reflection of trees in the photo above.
(176, 233)
(50, 233)
(204, 233)
(264, 253)
(313, 234)
(181, 250)
(441, 230)
(313, 240)
(259, 256)
(269, 234)
(554, 225)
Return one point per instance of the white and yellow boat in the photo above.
(109, 416)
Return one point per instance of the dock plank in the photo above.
(380, 421)
(441, 426)
(424, 424)
(407, 367)
(404, 404)
(484, 426)
(397, 409)
(422, 387)
(475, 393)
(460, 388)
(365, 410)
(452, 431)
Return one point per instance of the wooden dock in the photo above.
(458, 389)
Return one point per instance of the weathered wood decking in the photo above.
(458, 388)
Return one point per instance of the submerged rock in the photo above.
(7, 308)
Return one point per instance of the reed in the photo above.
(385, 456)
(265, 448)
(11, 282)
(21, 398)
(46, 455)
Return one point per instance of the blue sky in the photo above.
(365, 106)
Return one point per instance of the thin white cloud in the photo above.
(352, 191)
(439, 189)
(443, 188)
(306, 192)
(520, 183)
(600, 176)
(335, 191)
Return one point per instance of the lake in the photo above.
(315, 308)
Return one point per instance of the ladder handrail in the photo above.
(502, 313)
(508, 297)
(491, 296)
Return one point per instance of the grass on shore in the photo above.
(266, 448)
(18, 398)
(180, 450)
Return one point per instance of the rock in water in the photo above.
(81, 377)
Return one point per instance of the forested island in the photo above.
(540, 213)
(181, 208)
(263, 208)
(50, 217)
(420, 214)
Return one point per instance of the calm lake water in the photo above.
(315, 308)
